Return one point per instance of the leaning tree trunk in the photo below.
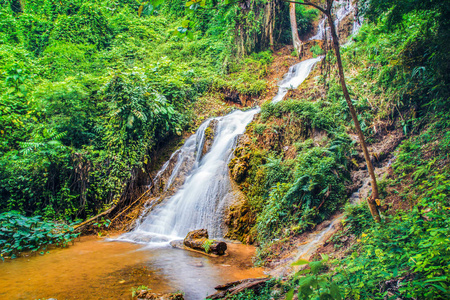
(298, 45)
(371, 200)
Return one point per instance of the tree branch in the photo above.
(307, 4)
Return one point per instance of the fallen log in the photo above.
(233, 288)
(179, 244)
(208, 246)
(198, 240)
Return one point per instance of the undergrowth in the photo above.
(19, 234)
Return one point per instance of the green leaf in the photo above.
(156, 2)
(439, 288)
(315, 266)
(300, 262)
(194, 6)
(302, 272)
(290, 294)
(185, 24)
(148, 10)
(325, 296)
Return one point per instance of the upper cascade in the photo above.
(342, 9)
(295, 76)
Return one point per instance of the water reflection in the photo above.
(97, 269)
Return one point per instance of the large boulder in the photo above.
(198, 240)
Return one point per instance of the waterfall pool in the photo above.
(95, 268)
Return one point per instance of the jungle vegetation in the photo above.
(90, 90)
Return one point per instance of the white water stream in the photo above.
(201, 201)
(206, 192)
(295, 76)
(342, 9)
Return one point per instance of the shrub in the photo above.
(19, 233)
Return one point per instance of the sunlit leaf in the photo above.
(300, 262)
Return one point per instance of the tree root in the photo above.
(230, 289)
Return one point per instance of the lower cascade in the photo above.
(201, 201)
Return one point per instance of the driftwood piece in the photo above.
(230, 289)
(198, 240)
(81, 225)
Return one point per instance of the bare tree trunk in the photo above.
(298, 45)
(269, 23)
(371, 200)
(272, 25)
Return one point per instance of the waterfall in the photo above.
(342, 9)
(201, 201)
(295, 76)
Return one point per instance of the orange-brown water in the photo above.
(97, 269)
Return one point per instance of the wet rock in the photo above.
(210, 133)
(232, 96)
(177, 244)
(240, 219)
(197, 264)
(146, 294)
(198, 240)
(196, 234)
(239, 165)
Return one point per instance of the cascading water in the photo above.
(201, 201)
(357, 23)
(296, 75)
(342, 9)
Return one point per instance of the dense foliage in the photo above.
(407, 255)
(90, 88)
